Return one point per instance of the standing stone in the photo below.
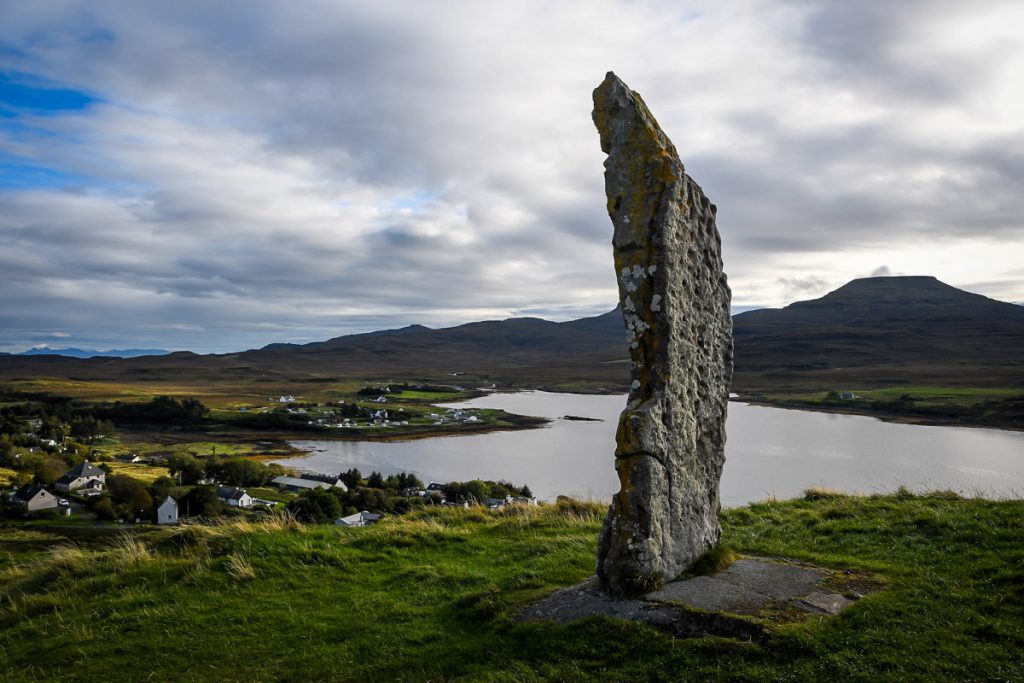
(675, 302)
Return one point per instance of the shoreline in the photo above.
(894, 418)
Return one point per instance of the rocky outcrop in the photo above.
(675, 302)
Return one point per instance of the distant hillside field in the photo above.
(873, 332)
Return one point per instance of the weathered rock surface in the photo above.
(675, 302)
(745, 601)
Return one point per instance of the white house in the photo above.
(33, 497)
(86, 479)
(167, 513)
(363, 518)
(234, 497)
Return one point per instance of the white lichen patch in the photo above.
(656, 302)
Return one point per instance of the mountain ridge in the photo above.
(882, 330)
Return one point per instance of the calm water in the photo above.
(770, 452)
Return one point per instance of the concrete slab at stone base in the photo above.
(747, 586)
(720, 604)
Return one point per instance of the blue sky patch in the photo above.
(21, 92)
(18, 174)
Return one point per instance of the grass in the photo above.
(433, 596)
(925, 395)
(144, 473)
(982, 406)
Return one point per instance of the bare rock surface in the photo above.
(745, 587)
(723, 604)
(675, 304)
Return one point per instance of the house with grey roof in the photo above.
(363, 518)
(332, 479)
(85, 479)
(307, 481)
(33, 497)
(234, 497)
(167, 512)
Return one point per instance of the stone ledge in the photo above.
(742, 601)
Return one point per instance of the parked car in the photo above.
(63, 502)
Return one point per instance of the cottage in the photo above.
(33, 497)
(300, 484)
(85, 479)
(363, 518)
(332, 479)
(129, 458)
(234, 497)
(167, 513)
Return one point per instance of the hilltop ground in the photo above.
(434, 596)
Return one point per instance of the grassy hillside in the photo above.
(433, 596)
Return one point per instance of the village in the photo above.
(72, 497)
(62, 463)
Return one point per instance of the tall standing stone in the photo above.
(675, 303)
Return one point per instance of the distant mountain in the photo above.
(887, 328)
(86, 353)
(515, 348)
(880, 331)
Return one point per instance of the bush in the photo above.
(240, 472)
(187, 468)
(317, 506)
(202, 501)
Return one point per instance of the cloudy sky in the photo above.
(218, 175)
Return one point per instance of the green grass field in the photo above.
(434, 595)
(144, 473)
(978, 406)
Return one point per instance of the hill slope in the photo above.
(883, 330)
(433, 596)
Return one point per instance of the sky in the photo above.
(218, 176)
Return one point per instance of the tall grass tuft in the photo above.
(129, 551)
(239, 568)
(822, 493)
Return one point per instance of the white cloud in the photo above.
(294, 172)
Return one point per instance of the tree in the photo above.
(104, 509)
(352, 478)
(188, 469)
(375, 480)
(316, 505)
(243, 472)
(161, 487)
(526, 492)
(202, 501)
(49, 469)
(140, 505)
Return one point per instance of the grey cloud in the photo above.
(246, 171)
